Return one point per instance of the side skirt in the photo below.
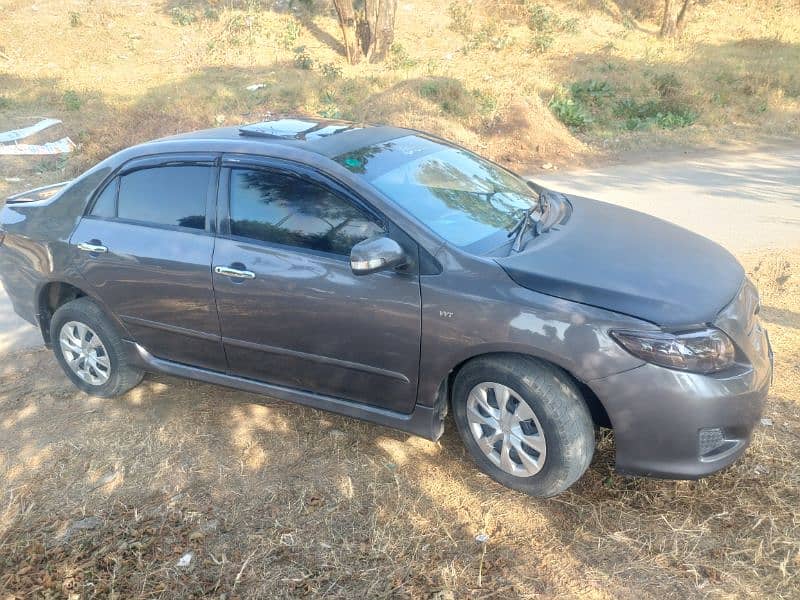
(424, 421)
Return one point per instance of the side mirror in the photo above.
(376, 254)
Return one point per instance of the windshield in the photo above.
(460, 196)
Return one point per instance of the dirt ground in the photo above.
(102, 498)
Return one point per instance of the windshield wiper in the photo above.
(519, 229)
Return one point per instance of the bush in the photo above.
(302, 59)
(644, 115)
(72, 100)
(331, 70)
(545, 23)
(541, 42)
(399, 58)
(591, 91)
(570, 113)
(460, 19)
(183, 15)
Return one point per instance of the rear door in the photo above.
(145, 247)
(292, 312)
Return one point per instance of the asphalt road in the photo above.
(744, 201)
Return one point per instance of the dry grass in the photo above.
(125, 71)
(275, 500)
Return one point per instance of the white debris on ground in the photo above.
(10, 147)
(185, 560)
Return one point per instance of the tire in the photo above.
(541, 456)
(112, 374)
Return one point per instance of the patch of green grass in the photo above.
(487, 103)
(591, 91)
(399, 57)
(72, 100)
(653, 113)
(570, 113)
(52, 164)
(5, 103)
(546, 25)
(74, 19)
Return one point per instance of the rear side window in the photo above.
(173, 195)
(278, 208)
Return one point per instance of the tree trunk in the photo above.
(380, 16)
(668, 24)
(347, 22)
(367, 32)
(683, 16)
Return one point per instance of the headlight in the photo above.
(702, 351)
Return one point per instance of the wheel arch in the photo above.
(53, 294)
(595, 405)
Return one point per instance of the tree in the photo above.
(672, 25)
(367, 28)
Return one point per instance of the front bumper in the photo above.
(658, 416)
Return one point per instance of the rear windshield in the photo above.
(461, 197)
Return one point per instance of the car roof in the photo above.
(326, 137)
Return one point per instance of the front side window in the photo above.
(172, 195)
(283, 209)
(106, 204)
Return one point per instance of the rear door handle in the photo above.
(236, 273)
(94, 248)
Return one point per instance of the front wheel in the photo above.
(90, 350)
(524, 423)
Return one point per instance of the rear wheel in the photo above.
(524, 423)
(90, 350)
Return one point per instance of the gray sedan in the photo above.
(388, 275)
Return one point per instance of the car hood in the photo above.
(629, 262)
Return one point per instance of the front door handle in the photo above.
(236, 273)
(93, 248)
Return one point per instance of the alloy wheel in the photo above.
(506, 429)
(85, 353)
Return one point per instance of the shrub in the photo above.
(183, 15)
(302, 59)
(541, 18)
(331, 71)
(569, 112)
(72, 101)
(643, 115)
(541, 42)
(399, 58)
(487, 103)
(460, 19)
(591, 91)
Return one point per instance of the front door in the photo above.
(291, 310)
(145, 249)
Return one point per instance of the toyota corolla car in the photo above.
(388, 275)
